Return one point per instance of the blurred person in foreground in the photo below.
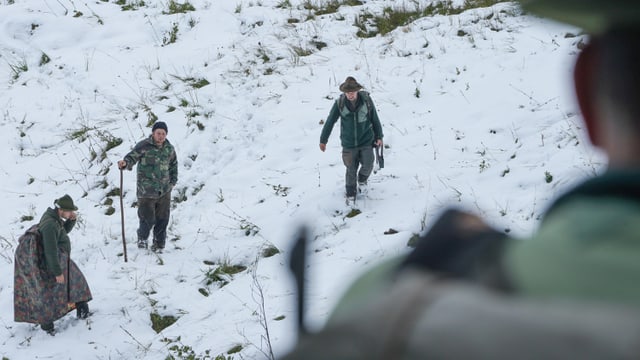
(569, 291)
(47, 283)
(157, 174)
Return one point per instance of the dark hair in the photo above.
(619, 73)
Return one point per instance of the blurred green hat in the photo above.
(65, 203)
(594, 16)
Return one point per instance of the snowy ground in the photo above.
(476, 108)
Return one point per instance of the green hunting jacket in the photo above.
(575, 279)
(587, 247)
(157, 171)
(54, 230)
(359, 127)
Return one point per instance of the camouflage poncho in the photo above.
(157, 167)
(37, 298)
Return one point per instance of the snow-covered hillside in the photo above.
(476, 109)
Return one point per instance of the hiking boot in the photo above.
(142, 243)
(156, 248)
(82, 310)
(48, 328)
(362, 187)
(350, 200)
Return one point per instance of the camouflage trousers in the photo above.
(154, 214)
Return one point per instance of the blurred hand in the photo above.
(378, 142)
(122, 164)
(323, 147)
(60, 279)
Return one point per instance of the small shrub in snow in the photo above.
(222, 274)
(131, 6)
(270, 251)
(159, 322)
(177, 8)
(44, 59)
(370, 25)
(18, 68)
(171, 36)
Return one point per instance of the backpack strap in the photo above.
(367, 99)
(341, 102)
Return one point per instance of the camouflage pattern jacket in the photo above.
(54, 236)
(157, 168)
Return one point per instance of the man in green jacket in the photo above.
(157, 174)
(585, 254)
(360, 131)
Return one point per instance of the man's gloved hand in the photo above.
(458, 245)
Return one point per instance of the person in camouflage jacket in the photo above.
(157, 174)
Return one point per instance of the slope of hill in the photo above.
(475, 106)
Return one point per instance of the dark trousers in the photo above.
(154, 214)
(359, 164)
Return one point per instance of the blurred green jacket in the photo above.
(587, 247)
(574, 281)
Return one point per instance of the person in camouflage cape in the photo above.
(157, 174)
(47, 283)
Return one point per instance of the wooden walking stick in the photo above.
(124, 242)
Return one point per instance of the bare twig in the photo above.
(146, 348)
(258, 296)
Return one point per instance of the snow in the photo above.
(477, 111)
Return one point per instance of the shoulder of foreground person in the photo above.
(424, 317)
